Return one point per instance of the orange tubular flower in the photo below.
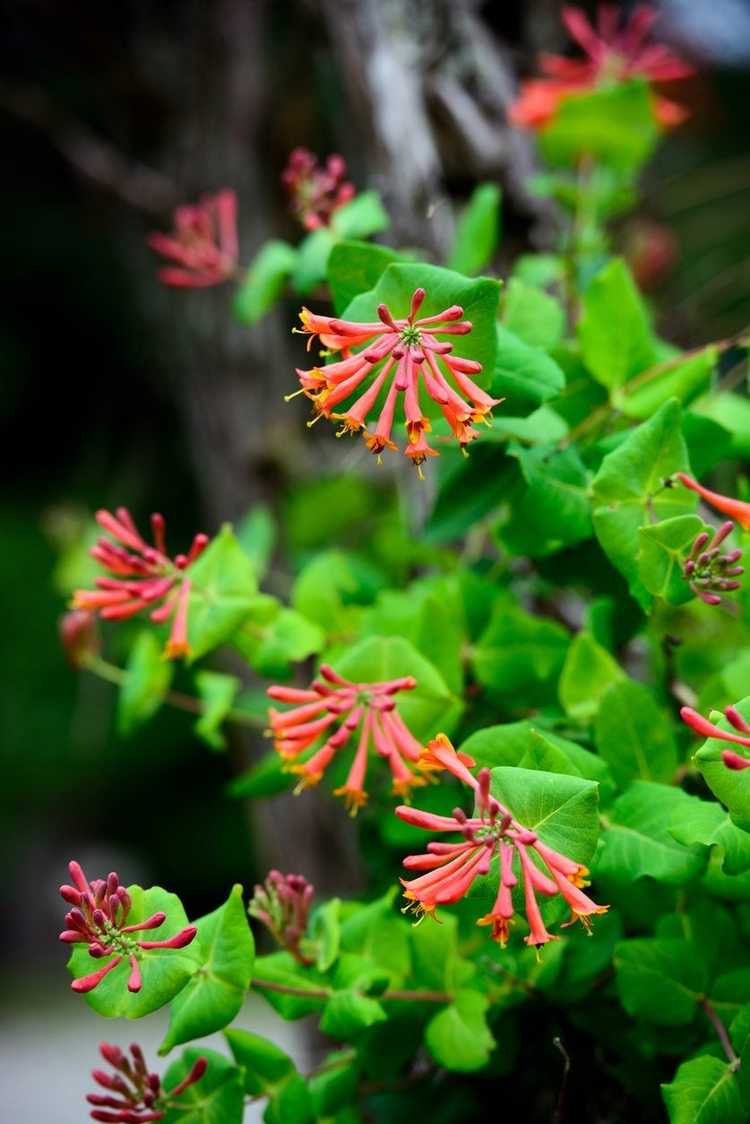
(411, 356)
(203, 244)
(612, 54)
(143, 577)
(336, 707)
(706, 729)
(448, 870)
(736, 509)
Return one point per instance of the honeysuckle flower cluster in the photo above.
(614, 53)
(203, 244)
(134, 1094)
(491, 831)
(142, 576)
(708, 729)
(282, 904)
(98, 918)
(315, 191)
(727, 505)
(709, 572)
(336, 707)
(409, 356)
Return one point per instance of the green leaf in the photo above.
(562, 810)
(325, 932)
(730, 786)
(531, 747)
(361, 217)
(312, 260)
(426, 710)
(428, 621)
(629, 491)
(555, 509)
(223, 593)
(377, 932)
(355, 267)
(706, 822)
(634, 735)
(256, 534)
(707, 441)
(532, 315)
(329, 584)
(660, 980)
(527, 376)
(218, 1098)
(267, 778)
(684, 381)
(147, 678)
(347, 1014)
(614, 330)
(215, 994)
(271, 647)
(470, 489)
(282, 968)
(704, 1091)
(613, 124)
(638, 842)
(478, 298)
(477, 231)
(520, 654)
(291, 1103)
(264, 281)
(458, 1036)
(265, 1064)
(662, 550)
(588, 672)
(217, 693)
(164, 971)
(732, 412)
(335, 1083)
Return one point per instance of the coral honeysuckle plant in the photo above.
(528, 679)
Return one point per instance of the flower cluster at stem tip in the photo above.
(316, 192)
(451, 868)
(709, 572)
(98, 918)
(613, 54)
(142, 576)
(411, 355)
(203, 245)
(282, 903)
(337, 707)
(134, 1095)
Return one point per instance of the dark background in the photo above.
(114, 390)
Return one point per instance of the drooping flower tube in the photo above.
(336, 708)
(316, 192)
(405, 355)
(727, 505)
(613, 54)
(708, 729)
(709, 572)
(133, 1093)
(203, 244)
(98, 918)
(447, 870)
(282, 904)
(143, 576)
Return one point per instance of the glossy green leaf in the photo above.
(215, 994)
(730, 786)
(378, 932)
(218, 1098)
(312, 260)
(355, 267)
(264, 281)
(427, 621)
(614, 330)
(588, 672)
(329, 585)
(471, 488)
(532, 315)
(291, 1103)
(706, 822)
(458, 1036)
(264, 1064)
(361, 217)
(335, 1084)
(477, 231)
(637, 842)
(662, 550)
(554, 511)
(634, 735)
(519, 652)
(613, 123)
(325, 932)
(256, 534)
(704, 1091)
(684, 381)
(217, 693)
(660, 980)
(282, 968)
(271, 647)
(347, 1014)
(164, 971)
(526, 376)
(223, 593)
(147, 678)
(563, 810)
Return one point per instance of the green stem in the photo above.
(721, 1032)
(395, 994)
(111, 673)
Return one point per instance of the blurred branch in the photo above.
(90, 155)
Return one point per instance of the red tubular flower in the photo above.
(708, 729)
(282, 904)
(613, 53)
(727, 505)
(316, 192)
(100, 910)
(710, 572)
(133, 1094)
(451, 868)
(203, 243)
(336, 707)
(411, 356)
(144, 577)
(77, 630)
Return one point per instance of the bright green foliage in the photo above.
(614, 331)
(730, 787)
(217, 693)
(704, 1091)
(614, 124)
(634, 735)
(218, 1098)
(264, 282)
(147, 678)
(458, 1037)
(222, 595)
(478, 231)
(588, 673)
